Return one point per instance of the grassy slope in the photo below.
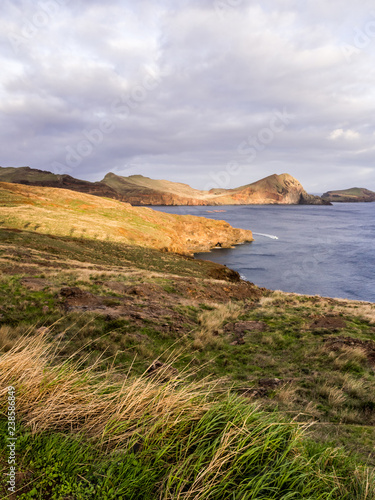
(12, 174)
(139, 182)
(67, 213)
(142, 305)
(142, 439)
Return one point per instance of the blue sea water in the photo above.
(323, 250)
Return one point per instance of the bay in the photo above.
(319, 250)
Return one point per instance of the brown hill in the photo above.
(352, 195)
(35, 177)
(140, 190)
(275, 189)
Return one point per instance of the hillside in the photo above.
(351, 195)
(274, 189)
(141, 375)
(34, 177)
(67, 213)
(140, 190)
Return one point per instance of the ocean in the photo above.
(308, 249)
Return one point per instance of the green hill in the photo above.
(351, 195)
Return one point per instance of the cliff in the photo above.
(352, 195)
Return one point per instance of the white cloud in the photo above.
(345, 134)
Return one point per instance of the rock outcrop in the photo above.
(352, 195)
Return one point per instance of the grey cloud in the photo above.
(181, 84)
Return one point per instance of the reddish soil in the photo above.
(332, 323)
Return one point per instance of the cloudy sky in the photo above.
(207, 92)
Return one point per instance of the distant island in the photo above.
(352, 195)
(139, 190)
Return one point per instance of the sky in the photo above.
(213, 93)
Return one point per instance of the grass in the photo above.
(65, 213)
(305, 372)
(143, 439)
(211, 322)
(192, 314)
(39, 250)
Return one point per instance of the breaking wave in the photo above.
(267, 236)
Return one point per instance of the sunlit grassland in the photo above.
(83, 435)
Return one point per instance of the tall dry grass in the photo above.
(67, 397)
(211, 323)
(187, 445)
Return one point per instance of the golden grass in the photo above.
(211, 323)
(354, 387)
(66, 397)
(322, 305)
(363, 310)
(347, 355)
(9, 336)
(335, 396)
(67, 213)
(286, 394)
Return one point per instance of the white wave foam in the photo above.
(267, 236)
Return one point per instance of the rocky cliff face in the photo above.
(139, 190)
(276, 189)
(200, 235)
(352, 195)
